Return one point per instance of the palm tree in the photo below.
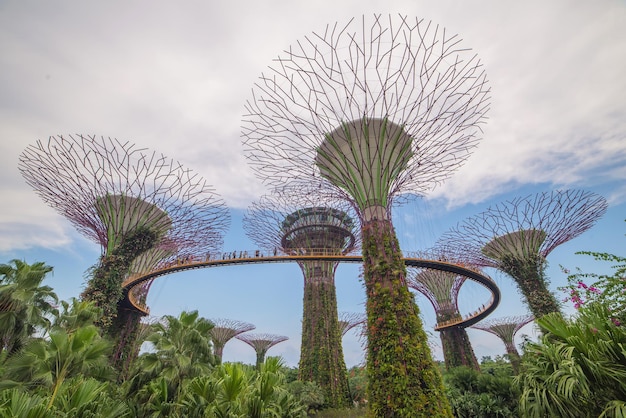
(24, 303)
(182, 351)
(49, 362)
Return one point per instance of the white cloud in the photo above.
(175, 79)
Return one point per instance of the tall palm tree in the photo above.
(182, 350)
(24, 303)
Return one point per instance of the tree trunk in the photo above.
(403, 378)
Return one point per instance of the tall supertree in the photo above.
(368, 111)
(442, 288)
(517, 235)
(261, 344)
(505, 329)
(308, 226)
(224, 330)
(141, 207)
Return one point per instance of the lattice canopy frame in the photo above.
(106, 188)
(372, 109)
(350, 320)
(302, 223)
(224, 330)
(525, 226)
(517, 235)
(506, 328)
(261, 343)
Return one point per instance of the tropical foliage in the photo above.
(403, 379)
(25, 305)
(490, 393)
(606, 289)
(578, 369)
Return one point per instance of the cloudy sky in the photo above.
(175, 78)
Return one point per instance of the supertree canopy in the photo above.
(505, 329)
(261, 344)
(349, 320)
(141, 207)
(302, 224)
(517, 235)
(442, 288)
(224, 330)
(371, 110)
(107, 188)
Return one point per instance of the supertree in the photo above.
(517, 235)
(141, 207)
(442, 288)
(224, 330)
(261, 344)
(369, 111)
(349, 320)
(308, 226)
(505, 329)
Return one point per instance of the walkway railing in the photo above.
(274, 256)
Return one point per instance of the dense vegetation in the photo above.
(56, 361)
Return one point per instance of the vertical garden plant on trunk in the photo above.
(365, 112)
(517, 235)
(141, 207)
(310, 227)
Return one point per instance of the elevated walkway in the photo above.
(257, 256)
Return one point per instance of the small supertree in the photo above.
(307, 226)
(261, 344)
(223, 331)
(368, 111)
(141, 207)
(442, 288)
(517, 235)
(349, 320)
(505, 329)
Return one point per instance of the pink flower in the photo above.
(616, 322)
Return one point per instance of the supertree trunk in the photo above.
(126, 348)
(403, 379)
(514, 357)
(321, 357)
(529, 274)
(457, 349)
(105, 287)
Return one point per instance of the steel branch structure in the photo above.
(306, 225)
(375, 108)
(111, 191)
(224, 330)
(442, 288)
(106, 188)
(517, 235)
(369, 111)
(261, 344)
(349, 320)
(505, 329)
